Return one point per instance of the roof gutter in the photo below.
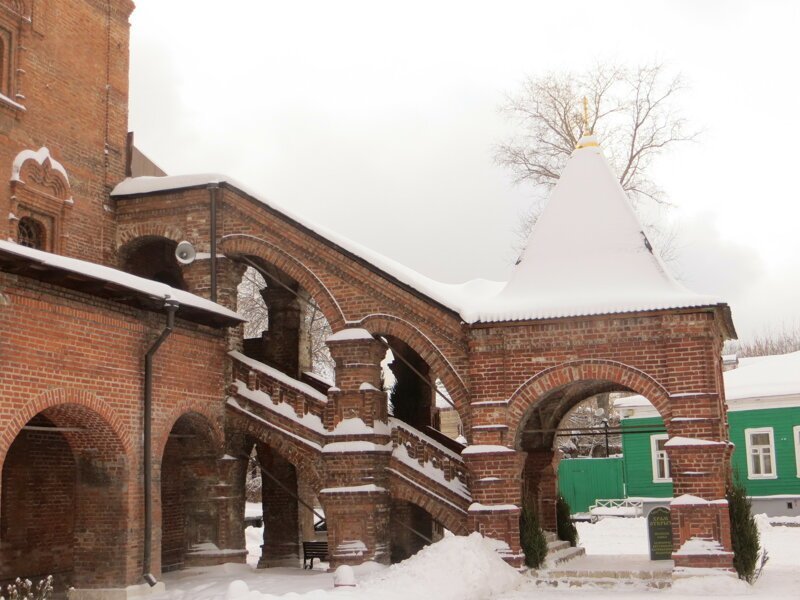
(171, 307)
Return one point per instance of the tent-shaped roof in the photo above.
(587, 254)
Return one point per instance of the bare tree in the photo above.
(767, 343)
(632, 111)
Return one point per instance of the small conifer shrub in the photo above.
(744, 532)
(531, 538)
(565, 527)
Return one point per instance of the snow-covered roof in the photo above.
(758, 382)
(587, 253)
(764, 376)
(38, 261)
(457, 297)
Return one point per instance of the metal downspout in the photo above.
(170, 306)
(213, 190)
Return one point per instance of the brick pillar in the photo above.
(308, 495)
(281, 547)
(540, 484)
(356, 498)
(229, 495)
(699, 455)
(281, 342)
(197, 276)
(357, 393)
(496, 493)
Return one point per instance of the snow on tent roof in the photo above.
(151, 289)
(586, 255)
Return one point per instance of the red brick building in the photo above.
(130, 405)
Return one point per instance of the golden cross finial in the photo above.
(586, 116)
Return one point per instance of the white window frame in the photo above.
(654, 439)
(796, 436)
(748, 448)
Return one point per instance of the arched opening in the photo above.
(415, 395)
(189, 474)
(62, 511)
(282, 509)
(153, 257)
(286, 328)
(411, 529)
(572, 440)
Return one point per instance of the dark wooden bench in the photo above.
(312, 550)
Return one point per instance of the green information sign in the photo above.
(659, 529)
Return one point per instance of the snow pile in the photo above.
(457, 568)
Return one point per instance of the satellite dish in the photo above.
(185, 253)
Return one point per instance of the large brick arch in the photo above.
(383, 324)
(63, 396)
(243, 245)
(450, 517)
(620, 374)
(211, 417)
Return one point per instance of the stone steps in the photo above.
(605, 572)
(563, 555)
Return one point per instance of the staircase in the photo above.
(570, 567)
(559, 551)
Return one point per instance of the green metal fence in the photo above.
(583, 480)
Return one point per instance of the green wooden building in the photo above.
(763, 396)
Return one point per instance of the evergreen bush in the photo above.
(744, 532)
(564, 525)
(531, 538)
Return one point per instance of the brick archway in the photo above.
(59, 396)
(187, 407)
(243, 245)
(450, 517)
(69, 451)
(626, 377)
(129, 234)
(383, 324)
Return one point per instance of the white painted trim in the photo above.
(748, 447)
(796, 437)
(653, 460)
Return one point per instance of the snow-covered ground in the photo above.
(468, 568)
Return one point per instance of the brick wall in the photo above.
(66, 56)
(61, 349)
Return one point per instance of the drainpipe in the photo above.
(170, 306)
(212, 191)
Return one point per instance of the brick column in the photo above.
(280, 344)
(281, 547)
(540, 484)
(496, 493)
(699, 458)
(197, 276)
(357, 393)
(356, 498)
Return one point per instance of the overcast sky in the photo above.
(378, 120)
